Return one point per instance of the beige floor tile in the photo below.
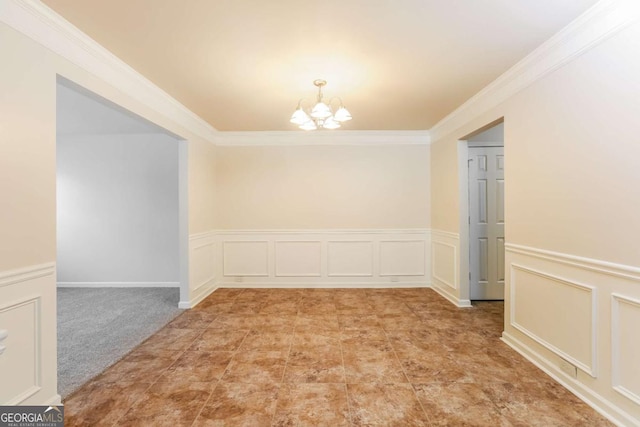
(312, 405)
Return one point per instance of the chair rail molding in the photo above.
(590, 317)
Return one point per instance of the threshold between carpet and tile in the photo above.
(328, 357)
(98, 326)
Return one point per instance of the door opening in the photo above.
(486, 223)
(482, 220)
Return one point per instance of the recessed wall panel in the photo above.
(246, 258)
(626, 346)
(298, 259)
(19, 362)
(567, 326)
(350, 259)
(402, 258)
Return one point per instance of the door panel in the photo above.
(486, 223)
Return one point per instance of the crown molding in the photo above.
(345, 137)
(40, 23)
(601, 21)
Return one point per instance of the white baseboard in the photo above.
(462, 303)
(118, 284)
(325, 285)
(198, 295)
(613, 413)
(55, 400)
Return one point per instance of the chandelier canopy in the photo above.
(321, 116)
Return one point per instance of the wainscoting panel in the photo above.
(625, 337)
(246, 258)
(402, 258)
(202, 268)
(445, 266)
(27, 336)
(571, 337)
(564, 311)
(324, 258)
(298, 258)
(350, 259)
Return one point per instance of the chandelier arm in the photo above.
(335, 97)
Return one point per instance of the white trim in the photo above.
(433, 262)
(613, 413)
(35, 388)
(55, 400)
(604, 19)
(324, 285)
(598, 266)
(118, 284)
(462, 303)
(616, 299)
(12, 277)
(317, 231)
(39, 22)
(369, 242)
(444, 234)
(199, 294)
(345, 137)
(589, 369)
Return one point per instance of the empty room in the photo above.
(408, 213)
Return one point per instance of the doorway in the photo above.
(486, 222)
(482, 219)
(121, 229)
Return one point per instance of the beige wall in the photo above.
(27, 138)
(324, 187)
(571, 153)
(571, 158)
(28, 214)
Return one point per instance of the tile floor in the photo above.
(327, 357)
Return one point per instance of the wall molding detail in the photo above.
(341, 137)
(46, 27)
(202, 268)
(34, 339)
(616, 352)
(445, 266)
(589, 368)
(597, 266)
(315, 258)
(603, 20)
(606, 408)
(13, 277)
(606, 313)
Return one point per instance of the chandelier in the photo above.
(321, 115)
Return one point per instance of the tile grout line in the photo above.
(284, 371)
(415, 393)
(344, 370)
(162, 371)
(206, 402)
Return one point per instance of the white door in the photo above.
(486, 223)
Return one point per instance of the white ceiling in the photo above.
(79, 112)
(242, 65)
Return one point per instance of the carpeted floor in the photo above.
(98, 326)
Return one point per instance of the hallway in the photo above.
(334, 357)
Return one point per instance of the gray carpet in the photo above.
(98, 326)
